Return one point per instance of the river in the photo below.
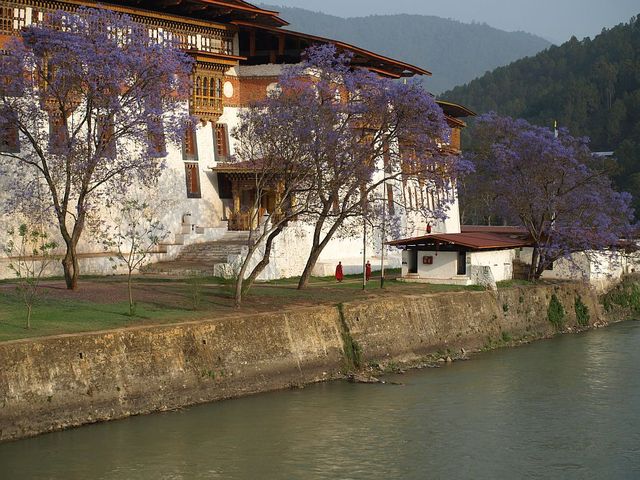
(563, 408)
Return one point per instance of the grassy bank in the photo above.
(101, 303)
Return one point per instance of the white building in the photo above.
(240, 50)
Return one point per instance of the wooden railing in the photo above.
(195, 35)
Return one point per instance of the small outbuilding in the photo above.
(467, 258)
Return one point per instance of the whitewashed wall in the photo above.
(499, 261)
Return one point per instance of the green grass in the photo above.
(65, 316)
(513, 283)
(100, 303)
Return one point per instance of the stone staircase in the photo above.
(212, 258)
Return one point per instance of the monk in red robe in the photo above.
(367, 271)
(339, 274)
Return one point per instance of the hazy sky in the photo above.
(555, 20)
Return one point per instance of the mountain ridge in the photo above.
(454, 51)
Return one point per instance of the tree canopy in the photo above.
(550, 184)
(591, 87)
(87, 102)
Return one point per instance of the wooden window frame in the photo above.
(105, 130)
(190, 144)
(9, 138)
(56, 138)
(192, 178)
(221, 137)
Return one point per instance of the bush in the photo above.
(582, 312)
(556, 313)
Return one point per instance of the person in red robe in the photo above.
(339, 274)
(367, 271)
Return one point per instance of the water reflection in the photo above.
(564, 408)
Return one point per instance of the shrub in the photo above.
(582, 312)
(555, 312)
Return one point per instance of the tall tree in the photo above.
(362, 131)
(89, 99)
(269, 146)
(553, 186)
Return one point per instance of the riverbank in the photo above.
(57, 382)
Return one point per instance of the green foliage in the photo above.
(30, 252)
(591, 87)
(625, 295)
(506, 337)
(505, 307)
(132, 238)
(582, 312)
(556, 313)
(352, 352)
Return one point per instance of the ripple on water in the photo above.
(564, 408)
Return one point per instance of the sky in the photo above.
(555, 20)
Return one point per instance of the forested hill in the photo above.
(455, 52)
(592, 87)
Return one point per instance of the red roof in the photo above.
(474, 241)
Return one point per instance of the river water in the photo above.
(563, 408)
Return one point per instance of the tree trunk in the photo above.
(129, 288)
(534, 264)
(70, 266)
(239, 290)
(266, 258)
(316, 249)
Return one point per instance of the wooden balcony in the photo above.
(193, 35)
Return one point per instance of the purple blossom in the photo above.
(93, 99)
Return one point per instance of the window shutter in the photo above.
(190, 148)
(392, 207)
(57, 125)
(222, 141)
(192, 174)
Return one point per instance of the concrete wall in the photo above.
(52, 383)
(499, 261)
(445, 265)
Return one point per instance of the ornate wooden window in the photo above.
(222, 141)
(57, 127)
(192, 175)
(12, 19)
(391, 203)
(9, 137)
(206, 101)
(6, 20)
(190, 147)
(37, 16)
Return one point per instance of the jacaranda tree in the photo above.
(553, 186)
(357, 132)
(91, 100)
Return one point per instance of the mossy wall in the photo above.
(52, 383)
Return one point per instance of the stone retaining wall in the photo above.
(52, 383)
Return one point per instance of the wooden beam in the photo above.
(252, 43)
(281, 44)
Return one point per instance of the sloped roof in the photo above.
(472, 240)
(376, 62)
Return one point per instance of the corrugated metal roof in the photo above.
(475, 241)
